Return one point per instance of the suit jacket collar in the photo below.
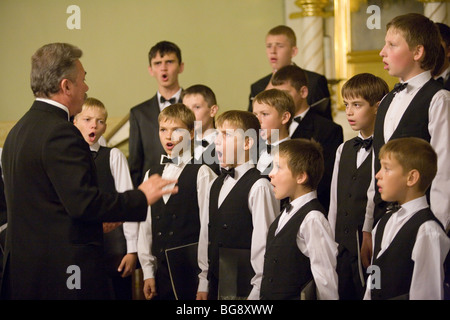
(48, 107)
(305, 128)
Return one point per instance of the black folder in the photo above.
(183, 270)
(235, 274)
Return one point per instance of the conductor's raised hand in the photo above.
(153, 188)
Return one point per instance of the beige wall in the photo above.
(222, 45)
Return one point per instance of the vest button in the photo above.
(225, 226)
(171, 233)
(159, 234)
(354, 177)
(345, 230)
(174, 216)
(157, 217)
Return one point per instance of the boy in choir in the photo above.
(274, 109)
(417, 107)
(410, 244)
(241, 205)
(352, 175)
(309, 124)
(300, 245)
(202, 101)
(145, 149)
(281, 48)
(120, 240)
(174, 222)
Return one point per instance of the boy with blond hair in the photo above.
(352, 175)
(120, 240)
(410, 244)
(300, 246)
(417, 107)
(241, 206)
(174, 221)
(274, 110)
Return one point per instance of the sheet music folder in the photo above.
(183, 270)
(235, 274)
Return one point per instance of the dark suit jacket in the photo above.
(55, 210)
(317, 90)
(145, 148)
(330, 136)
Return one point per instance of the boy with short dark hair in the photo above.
(241, 206)
(307, 123)
(417, 107)
(352, 175)
(274, 110)
(145, 150)
(119, 240)
(300, 245)
(202, 101)
(174, 222)
(410, 244)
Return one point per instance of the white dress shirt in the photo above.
(429, 252)
(171, 172)
(361, 155)
(266, 159)
(315, 240)
(264, 208)
(199, 148)
(439, 129)
(122, 181)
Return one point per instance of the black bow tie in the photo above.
(440, 80)
(288, 207)
(166, 159)
(400, 86)
(362, 143)
(204, 143)
(298, 119)
(269, 148)
(171, 100)
(226, 172)
(94, 154)
(393, 207)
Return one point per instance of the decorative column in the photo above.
(436, 10)
(310, 35)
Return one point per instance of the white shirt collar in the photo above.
(163, 105)
(418, 81)
(56, 104)
(240, 170)
(95, 147)
(302, 200)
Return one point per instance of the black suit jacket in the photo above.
(330, 136)
(317, 90)
(145, 148)
(55, 210)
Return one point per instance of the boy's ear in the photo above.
(413, 178)
(213, 111)
(285, 117)
(248, 144)
(181, 69)
(419, 53)
(150, 71)
(294, 52)
(302, 178)
(304, 92)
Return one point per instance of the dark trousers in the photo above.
(349, 282)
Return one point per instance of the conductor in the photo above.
(55, 209)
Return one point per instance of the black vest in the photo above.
(114, 242)
(176, 222)
(352, 185)
(396, 266)
(414, 123)
(231, 225)
(286, 268)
